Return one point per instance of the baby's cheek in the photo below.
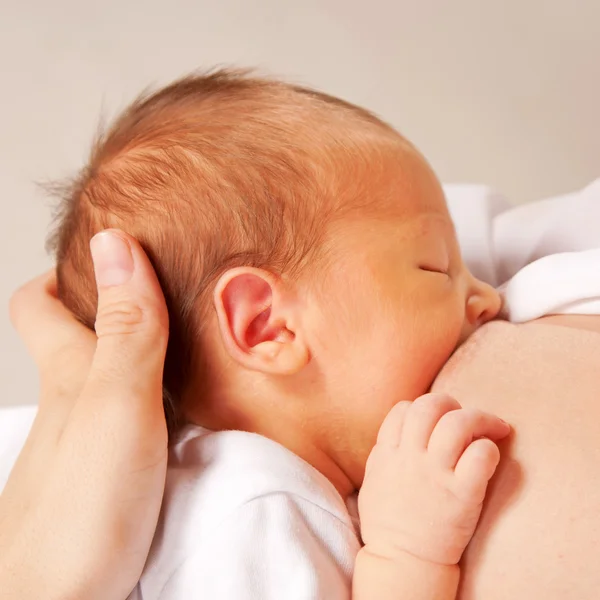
(430, 359)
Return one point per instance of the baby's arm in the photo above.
(422, 497)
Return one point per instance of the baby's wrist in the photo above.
(402, 570)
(397, 555)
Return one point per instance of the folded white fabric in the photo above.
(474, 209)
(567, 223)
(544, 256)
(567, 283)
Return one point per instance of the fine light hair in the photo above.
(214, 171)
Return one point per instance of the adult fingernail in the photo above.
(113, 261)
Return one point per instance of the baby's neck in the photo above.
(306, 438)
(302, 434)
(315, 455)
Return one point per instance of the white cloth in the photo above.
(15, 423)
(244, 518)
(544, 256)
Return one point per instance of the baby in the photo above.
(313, 281)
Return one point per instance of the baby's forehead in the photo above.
(410, 208)
(353, 236)
(406, 212)
(400, 182)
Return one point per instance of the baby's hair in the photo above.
(214, 171)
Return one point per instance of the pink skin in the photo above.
(399, 302)
(316, 364)
(426, 479)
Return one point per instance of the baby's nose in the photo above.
(483, 303)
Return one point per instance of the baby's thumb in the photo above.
(131, 323)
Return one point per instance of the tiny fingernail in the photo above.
(113, 261)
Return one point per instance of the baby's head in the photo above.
(307, 256)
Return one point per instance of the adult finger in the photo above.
(457, 429)
(62, 349)
(132, 320)
(45, 325)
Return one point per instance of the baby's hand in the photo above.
(426, 479)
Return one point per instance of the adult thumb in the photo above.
(132, 319)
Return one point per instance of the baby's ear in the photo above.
(258, 322)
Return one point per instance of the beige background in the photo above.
(504, 92)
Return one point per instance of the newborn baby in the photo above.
(313, 280)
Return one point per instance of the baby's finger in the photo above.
(475, 468)
(457, 429)
(390, 432)
(423, 416)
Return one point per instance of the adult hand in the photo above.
(81, 506)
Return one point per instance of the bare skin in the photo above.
(422, 496)
(539, 535)
(99, 433)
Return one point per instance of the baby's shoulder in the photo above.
(220, 471)
(232, 497)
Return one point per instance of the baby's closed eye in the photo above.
(436, 269)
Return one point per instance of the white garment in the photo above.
(15, 423)
(244, 518)
(544, 256)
